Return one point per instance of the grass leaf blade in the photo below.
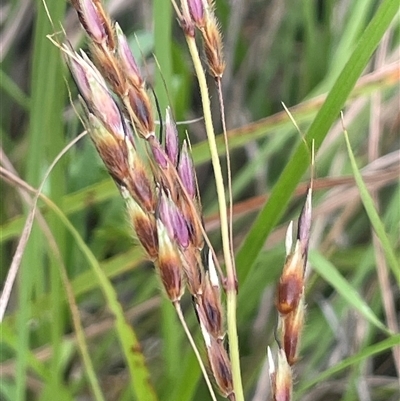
(331, 275)
(373, 215)
(300, 160)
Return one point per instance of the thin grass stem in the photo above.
(231, 279)
(228, 165)
(195, 350)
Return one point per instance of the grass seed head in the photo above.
(185, 20)
(221, 367)
(94, 20)
(169, 264)
(186, 171)
(196, 10)
(106, 109)
(191, 264)
(94, 91)
(210, 309)
(282, 385)
(144, 225)
(292, 326)
(111, 149)
(110, 68)
(213, 47)
(291, 282)
(191, 212)
(127, 61)
(139, 183)
(158, 153)
(173, 220)
(171, 138)
(142, 113)
(80, 68)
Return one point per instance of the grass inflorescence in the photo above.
(162, 283)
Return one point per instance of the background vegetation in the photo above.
(295, 52)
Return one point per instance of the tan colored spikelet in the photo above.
(139, 184)
(292, 325)
(169, 264)
(221, 367)
(139, 108)
(107, 24)
(110, 69)
(291, 282)
(111, 149)
(191, 262)
(290, 303)
(209, 309)
(144, 224)
(280, 377)
(213, 47)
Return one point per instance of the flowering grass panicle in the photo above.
(157, 180)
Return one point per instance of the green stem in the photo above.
(219, 182)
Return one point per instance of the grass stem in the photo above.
(219, 181)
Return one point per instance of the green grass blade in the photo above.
(8, 339)
(13, 90)
(366, 352)
(139, 374)
(300, 160)
(376, 222)
(188, 379)
(331, 275)
(44, 136)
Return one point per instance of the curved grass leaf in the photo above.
(139, 374)
(331, 275)
(373, 216)
(300, 160)
(8, 339)
(366, 352)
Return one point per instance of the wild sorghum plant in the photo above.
(162, 283)
(157, 180)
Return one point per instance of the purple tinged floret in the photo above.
(196, 10)
(126, 57)
(97, 97)
(181, 228)
(173, 220)
(158, 153)
(164, 214)
(75, 64)
(171, 138)
(106, 108)
(92, 21)
(186, 171)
